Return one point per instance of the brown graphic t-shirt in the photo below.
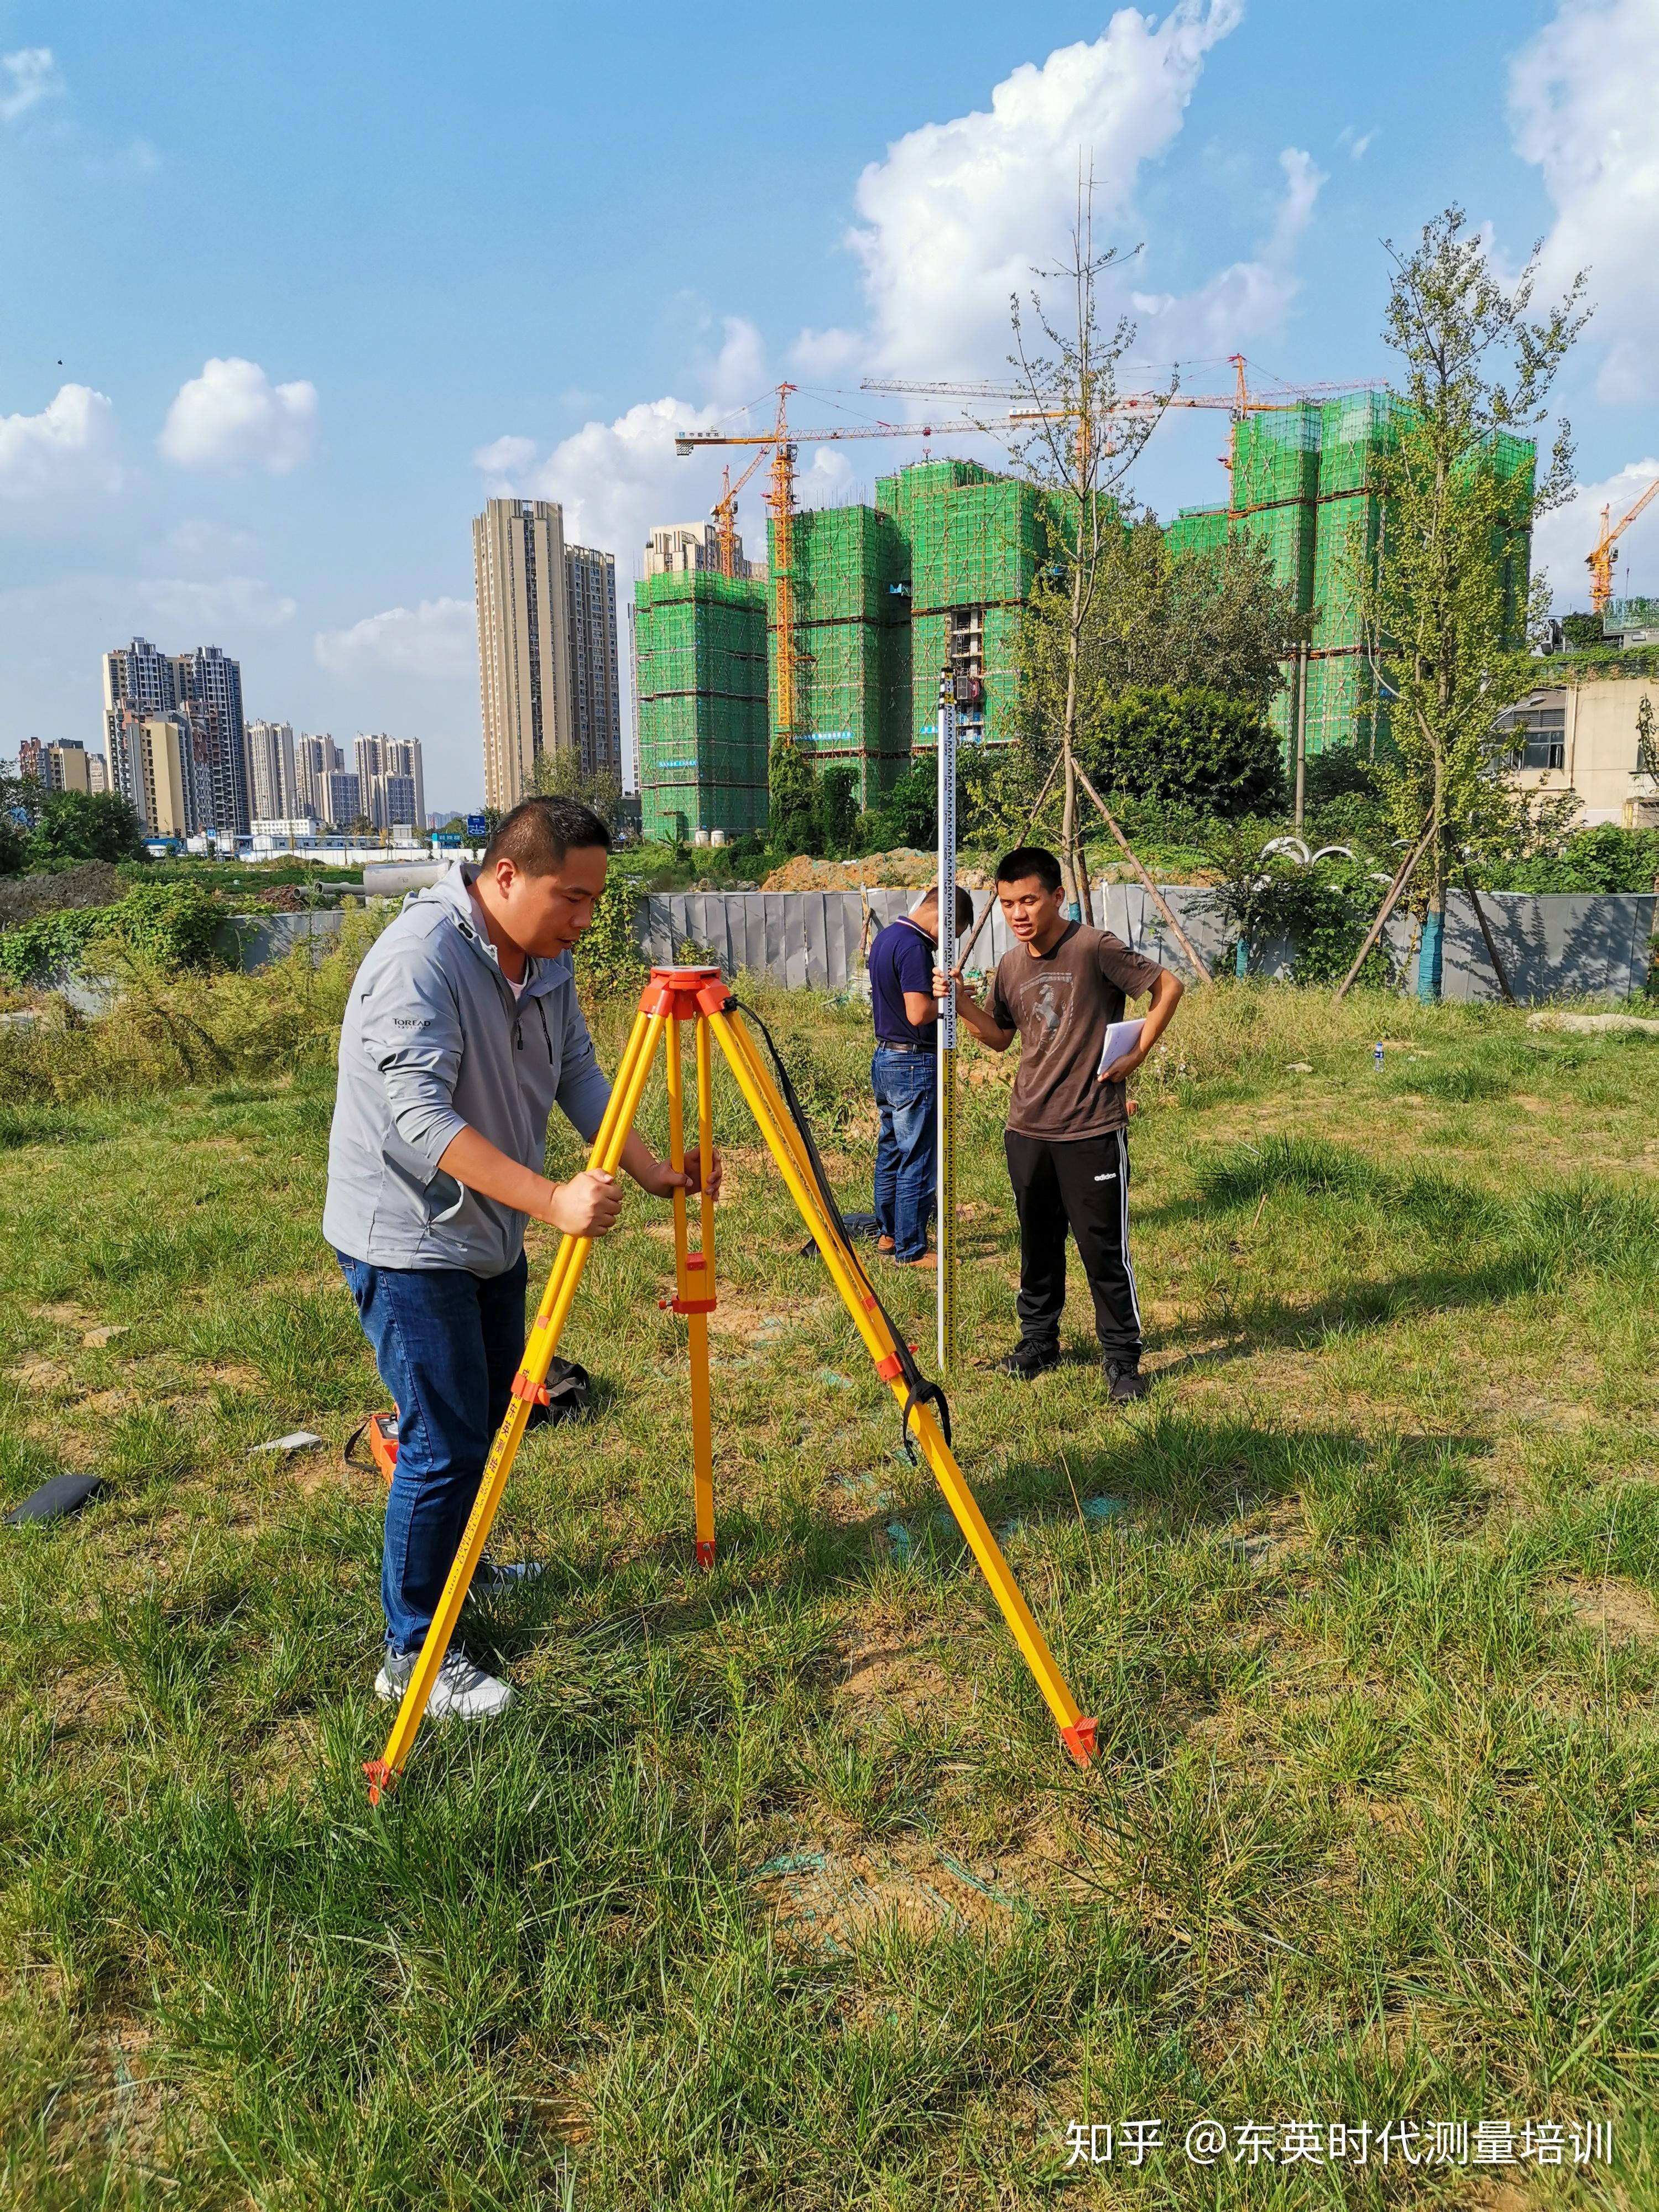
(1061, 1001)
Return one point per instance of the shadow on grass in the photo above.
(1167, 1481)
(1472, 1247)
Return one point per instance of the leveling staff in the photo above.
(1066, 1139)
(461, 1034)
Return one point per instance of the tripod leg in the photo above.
(545, 1331)
(783, 1141)
(694, 1294)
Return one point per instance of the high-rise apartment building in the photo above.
(341, 794)
(97, 774)
(206, 689)
(324, 787)
(547, 664)
(524, 661)
(60, 767)
(315, 753)
(392, 786)
(273, 794)
(158, 748)
(676, 548)
(590, 613)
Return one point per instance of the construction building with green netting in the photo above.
(851, 572)
(975, 540)
(1304, 484)
(701, 719)
(934, 574)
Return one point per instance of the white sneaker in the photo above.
(461, 1688)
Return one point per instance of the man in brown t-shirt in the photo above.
(1068, 1153)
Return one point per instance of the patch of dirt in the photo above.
(233, 1375)
(879, 1668)
(39, 1376)
(85, 1697)
(66, 1313)
(904, 868)
(95, 1339)
(825, 1902)
(1621, 1611)
(742, 1317)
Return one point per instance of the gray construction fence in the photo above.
(1553, 945)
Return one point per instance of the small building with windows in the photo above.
(1588, 737)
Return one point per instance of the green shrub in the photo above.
(165, 926)
(81, 825)
(607, 958)
(1196, 746)
(1605, 858)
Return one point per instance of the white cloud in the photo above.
(220, 608)
(615, 481)
(438, 638)
(826, 355)
(503, 461)
(1580, 106)
(29, 76)
(1357, 143)
(233, 413)
(1248, 297)
(952, 219)
(1562, 538)
(69, 443)
(738, 370)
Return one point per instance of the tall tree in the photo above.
(1441, 608)
(1080, 444)
(793, 818)
(560, 774)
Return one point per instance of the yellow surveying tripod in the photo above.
(673, 997)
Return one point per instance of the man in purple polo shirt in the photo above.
(902, 1075)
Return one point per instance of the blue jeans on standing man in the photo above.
(448, 1345)
(905, 1087)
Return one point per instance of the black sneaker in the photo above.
(1028, 1360)
(1127, 1380)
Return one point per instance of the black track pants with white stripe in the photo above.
(1083, 1186)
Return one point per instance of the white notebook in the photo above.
(1120, 1037)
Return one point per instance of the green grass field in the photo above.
(776, 1888)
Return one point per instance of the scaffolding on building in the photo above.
(851, 612)
(1304, 484)
(976, 540)
(701, 689)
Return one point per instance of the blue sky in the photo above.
(289, 289)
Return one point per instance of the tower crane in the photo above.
(781, 498)
(725, 514)
(1239, 402)
(1600, 563)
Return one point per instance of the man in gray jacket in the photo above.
(461, 1034)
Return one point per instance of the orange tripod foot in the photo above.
(1079, 1740)
(380, 1778)
(706, 1552)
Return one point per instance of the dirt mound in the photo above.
(88, 883)
(905, 868)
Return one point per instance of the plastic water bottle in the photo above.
(1376, 1056)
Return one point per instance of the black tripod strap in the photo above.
(919, 1389)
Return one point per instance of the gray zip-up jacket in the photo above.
(433, 1043)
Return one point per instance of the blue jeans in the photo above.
(905, 1087)
(447, 1346)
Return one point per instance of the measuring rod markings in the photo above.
(946, 1055)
